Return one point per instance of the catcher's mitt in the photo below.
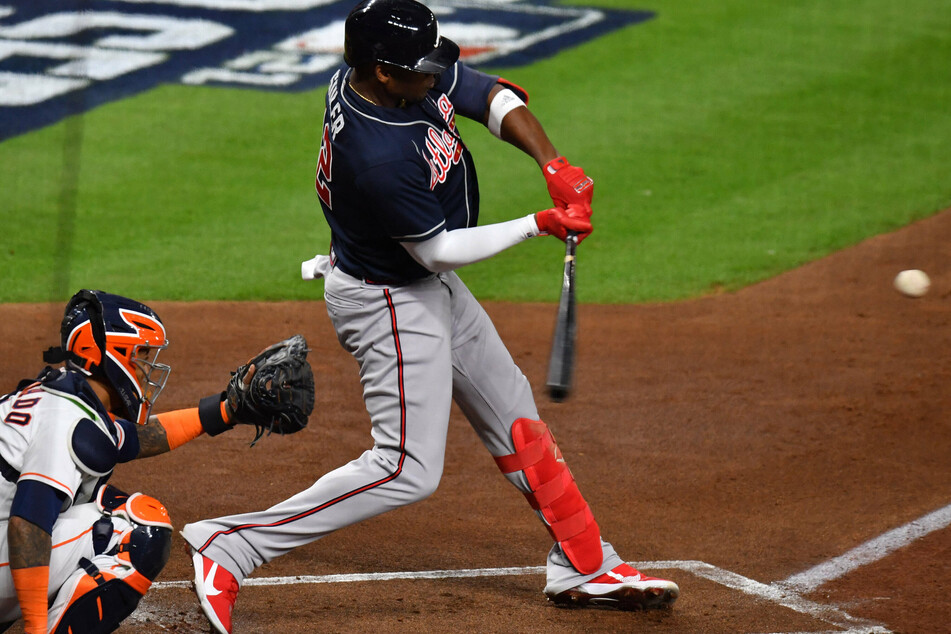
(279, 394)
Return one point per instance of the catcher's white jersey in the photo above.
(36, 441)
(51, 434)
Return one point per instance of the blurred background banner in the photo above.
(62, 57)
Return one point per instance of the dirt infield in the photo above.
(730, 442)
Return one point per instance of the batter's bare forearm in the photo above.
(522, 129)
(30, 545)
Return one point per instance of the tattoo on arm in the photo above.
(29, 544)
(152, 438)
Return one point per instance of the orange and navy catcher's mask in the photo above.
(117, 340)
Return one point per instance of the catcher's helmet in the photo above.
(403, 33)
(117, 340)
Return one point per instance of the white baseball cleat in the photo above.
(623, 588)
(217, 590)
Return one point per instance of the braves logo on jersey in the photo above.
(61, 57)
(443, 147)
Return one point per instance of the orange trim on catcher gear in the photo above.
(89, 583)
(181, 426)
(554, 493)
(147, 511)
(82, 342)
(86, 583)
(138, 582)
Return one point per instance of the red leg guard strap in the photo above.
(570, 526)
(554, 493)
(551, 491)
(529, 455)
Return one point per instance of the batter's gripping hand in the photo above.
(558, 222)
(568, 185)
(274, 391)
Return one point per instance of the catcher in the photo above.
(77, 554)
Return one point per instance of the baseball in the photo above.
(912, 283)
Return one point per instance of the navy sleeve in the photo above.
(37, 503)
(468, 90)
(130, 442)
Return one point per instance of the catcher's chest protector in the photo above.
(554, 493)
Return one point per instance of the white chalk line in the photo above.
(869, 552)
(787, 593)
(785, 598)
(461, 573)
(780, 596)
(775, 594)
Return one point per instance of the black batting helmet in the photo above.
(403, 33)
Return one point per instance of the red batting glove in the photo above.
(582, 212)
(558, 222)
(567, 184)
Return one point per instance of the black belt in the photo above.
(385, 282)
(376, 281)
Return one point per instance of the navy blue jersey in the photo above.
(391, 175)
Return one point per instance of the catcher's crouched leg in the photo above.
(132, 543)
(554, 493)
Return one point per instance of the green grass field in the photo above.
(729, 140)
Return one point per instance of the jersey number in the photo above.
(16, 417)
(322, 182)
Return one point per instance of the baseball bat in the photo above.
(562, 360)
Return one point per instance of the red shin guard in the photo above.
(554, 493)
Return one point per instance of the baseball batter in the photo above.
(78, 554)
(398, 188)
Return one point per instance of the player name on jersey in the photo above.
(61, 57)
